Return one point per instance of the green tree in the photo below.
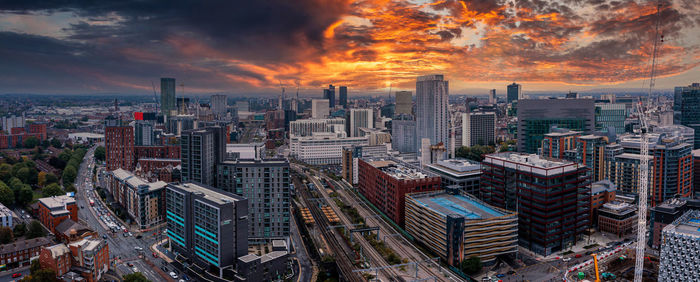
(52, 189)
(7, 196)
(472, 265)
(45, 144)
(56, 143)
(31, 142)
(24, 174)
(19, 230)
(35, 266)
(474, 153)
(69, 174)
(5, 172)
(6, 235)
(51, 178)
(65, 155)
(42, 275)
(35, 230)
(100, 153)
(16, 184)
(135, 277)
(70, 188)
(25, 195)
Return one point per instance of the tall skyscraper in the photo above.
(200, 151)
(320, 108)
(219, 105)
(536, 118)
(343, 96)
(329, 94)
(403, 134)
(690, 110)
(167, 96)
(119, 147)
(492, 96)
(404, 103)
(432, 115)
(478, 128)
(143, 133)
(360, 118)
(514, 93)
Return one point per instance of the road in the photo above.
(300, 253)
(122, 249)
(6, 276)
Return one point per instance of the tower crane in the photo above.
(281, 98)
(644, 161)
(155, 96)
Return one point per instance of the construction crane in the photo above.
(644, 161)
(595, 263)
(155, 96)
(281, 98)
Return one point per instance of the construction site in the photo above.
(616, 265)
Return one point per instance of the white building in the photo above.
(306, 127)
(432, 115)
(478, 128)
(10, 122)
(218, 105)
(86, 137)
(322, 148)
(360, 118)
(6, 216)
(320, 108)
(680, 249)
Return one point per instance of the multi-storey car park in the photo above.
(680, 249)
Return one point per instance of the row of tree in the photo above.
(35, 230)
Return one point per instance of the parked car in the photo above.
(566, 259)
(173, 275)
(578, 255)
(130, 264)
(16, 275)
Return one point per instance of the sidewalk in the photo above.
(155, 249)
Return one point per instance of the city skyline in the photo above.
(370, 46)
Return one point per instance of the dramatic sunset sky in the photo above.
(248, 47)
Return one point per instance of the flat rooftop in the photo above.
(531, 163)
(57, 202)
(397, 170)
(134, 181)
(208, 193)
(603, 185)
(687, 224)
(447, 204)
(457, 167)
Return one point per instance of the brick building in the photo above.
(20, 253)
(17, 135)
(617, 218)
(54, 210)
(119, 145)
(87, 257)
(70, 231)
(385, 182)
(154, 169)
(56, 258)
(157, 152)
(602, 192)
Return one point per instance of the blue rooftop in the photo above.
(467, 207)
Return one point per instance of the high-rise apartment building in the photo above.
(200, 151)
(680, 248)
(610, 116)
(265, 184)
(143, 133)
(514, 92)
(404, 103)
(359, 118)
(343, 96)
(690, 110)
(167, 96)
(144, 201)
(206, 225)
(590, 151)
(536, 118)
(403, 134)
(551, 198)
(329, 94)
(478, 128)
(119, 147)
(557, 142)
(432, 114)
(219, 105)
(306, 127)
(458, 173)
(320, 108)
(493, 99)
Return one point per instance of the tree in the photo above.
(135, 277)
(70, 188)
(65, 155)
(35, 266)
(472, 265)
(7, 196)
(56, 143)
(31, 142)
(52, 190)
(6, 235)
(69, 174)
(45, 144)
(24, 174)
(41, 179)
(35, 230)
(100, 153)
(51, 178)
(16, 184)
(474, 153)
(5, 172)
(42, 275)
(19, 230)
(25, 195)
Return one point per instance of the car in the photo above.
(173, 275)
(130, 264)
(578, 255)
(138, 236)
(155, 255)
(126, 230)
(138, 248)
(134, 269)
(566, 259)
(184, 276)
(125, 235)
(164, 269)
(104, 236)
(16, 275)
(500, 275)
(131, 234)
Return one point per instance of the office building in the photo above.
(54, 210)
(167, 96)
(176, 124)
(359, 118)
(458, 226)
(207, 226)
(143, 134)
(610, 117)
(602, 192)
(680, 248)
(617, 218)
(219, 105)
(460, 172)
(12, 121)
(119, 147)
(329, 94)
(536, 118)
(57, 258)
(514, 92)
(306, 127)
(557, 142)
(551, 198)
(320, 108)
(6, 216)
(375, 136)
(687, 134)
(403, 132)
(350, 155)
(478, 128)
(201, 150)
(670, 166)
(384, 182)
(493, 99)
(289, 116)
(265, 184)
(690, 110)
(404, 103)
(322, 148)
(432, 115)
(22, 252)
(144, 201)
(343, 96)
(665, 213)
(696, 171)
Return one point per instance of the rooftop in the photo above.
(603, 185)
(23, 245)
(531, 163)
(57, 202)
(457, 167)
(58, 250)
(396, 169)
(87, 244)
(136, 182)
(688, 224)
(463, 205)
(618, 207)
(208, 193)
